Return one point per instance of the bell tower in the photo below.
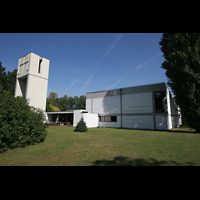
(32, 79)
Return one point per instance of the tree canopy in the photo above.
(64, 103)
(182, 64)
(8, 80)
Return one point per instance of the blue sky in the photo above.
(89, 62)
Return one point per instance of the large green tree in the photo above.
(8, 80)
(64, 103)
(182, 64)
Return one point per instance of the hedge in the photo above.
(20, 124)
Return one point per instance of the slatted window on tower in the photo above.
(20, 65)
(26, 63)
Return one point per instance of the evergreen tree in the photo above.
(81, 126)
(182, 65)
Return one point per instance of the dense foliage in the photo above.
(81, 126)
(20, 124)
(182, 64)
(64, 103)
(7, 80)
(50, 107)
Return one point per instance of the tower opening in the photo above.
(22, 85)
(39, 65)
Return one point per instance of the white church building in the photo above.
(139, 107)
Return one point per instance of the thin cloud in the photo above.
(113, 45)
(110, 49)
(114, 84)
(147, 61)
(72, 83)
(87, 82)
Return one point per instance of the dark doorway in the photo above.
(54, 117)
(62, 117)
(70, 118)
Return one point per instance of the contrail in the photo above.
(113, 45)
(114, 84)
(87, 82)
(73, 82)
(146, 62)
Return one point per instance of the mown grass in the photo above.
(109, 146)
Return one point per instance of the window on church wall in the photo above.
(159, 102)
(108, 118)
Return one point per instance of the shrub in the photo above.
(81, 126)
(20, 124)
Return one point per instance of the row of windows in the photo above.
(108, 118)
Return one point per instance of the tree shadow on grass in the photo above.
(126, 161)
(169, 131)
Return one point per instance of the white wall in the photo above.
(77, 117)
(137, 103)
(88, 105)
(140, 122)
(90, 119)
(106, 105)
(163, 122)
(169, 118)
(36, 91)
(34, 65)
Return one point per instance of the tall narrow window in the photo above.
(39, 65)
(158, 102)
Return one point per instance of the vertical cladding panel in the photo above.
(88, 105)
(26, 63)
(90, 119)
(140, 122)
(137, 103)
(20, 65)
(162, 122)
(36, 91)
(109, 104)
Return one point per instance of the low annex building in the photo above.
(73, 117)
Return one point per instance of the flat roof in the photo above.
(128, 87)
(61, 112)
(65, 112)
(33, 53)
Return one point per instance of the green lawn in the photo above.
(109, 146)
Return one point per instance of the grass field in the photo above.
(109, 146)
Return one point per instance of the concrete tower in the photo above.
(32, 79)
